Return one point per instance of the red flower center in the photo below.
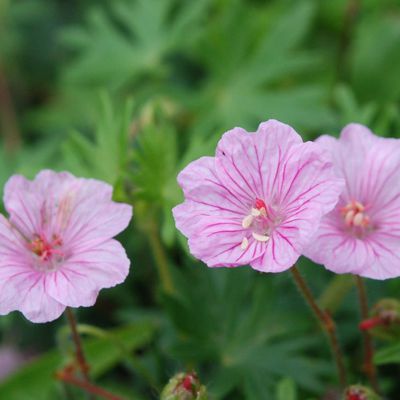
(45, 249)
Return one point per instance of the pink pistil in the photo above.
(260, 204)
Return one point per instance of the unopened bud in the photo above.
(358, 392)
(385, 320)
(184, 386)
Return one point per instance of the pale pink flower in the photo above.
(258, 201)
(56, 249)
(362, 234)
(11, 359)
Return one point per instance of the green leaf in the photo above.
(375, 59)
(252, 77)
(37, 379)
(388, 355)
(136, 36)
(227, 318)
(286, 390)
(105, 156)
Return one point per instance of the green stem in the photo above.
(326, 322)
(369, 367)
(160, 259)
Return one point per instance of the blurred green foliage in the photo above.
(129, 92)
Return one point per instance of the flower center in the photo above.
(354, 215)
(257, 222)
(47, 254)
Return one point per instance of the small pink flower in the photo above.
(362, 234)
(258, 201)
(56, 249)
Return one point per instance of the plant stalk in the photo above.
(161, 260)
(368, 367)
(79, 354)
(87, 386)
(326, 322)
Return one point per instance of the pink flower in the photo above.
(259, 201)
(11, 359)
(56, 249)
(362, 234)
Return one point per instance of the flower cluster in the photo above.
(267, 197)
(56, 247)
(264, 199)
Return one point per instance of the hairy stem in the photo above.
(326, 322)
(80, 357)
(87, 386)
(368, 367)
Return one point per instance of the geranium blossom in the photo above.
(56, 248)
(258, 201)
(362, 234)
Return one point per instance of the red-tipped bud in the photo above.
(184, 386)
(385, 319)
(371, 323)
(358, 392)
(189, 381)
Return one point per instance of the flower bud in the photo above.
(385, 320)
(184, 386)
(358, 392)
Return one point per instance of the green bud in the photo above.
(184, 386)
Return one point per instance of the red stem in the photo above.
(80, 357)
(326, 322)
(87, 386)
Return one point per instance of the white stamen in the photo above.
(244, 244)
(358, 219)
(348, 219)
(260, 238)
(255, 212)
(247, 221)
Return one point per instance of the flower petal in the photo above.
(80, 210)
(25, 291)
(23, 205)
(288, 241)
(91, 224)
(211, 217)
(248, 163)
(78, 282)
